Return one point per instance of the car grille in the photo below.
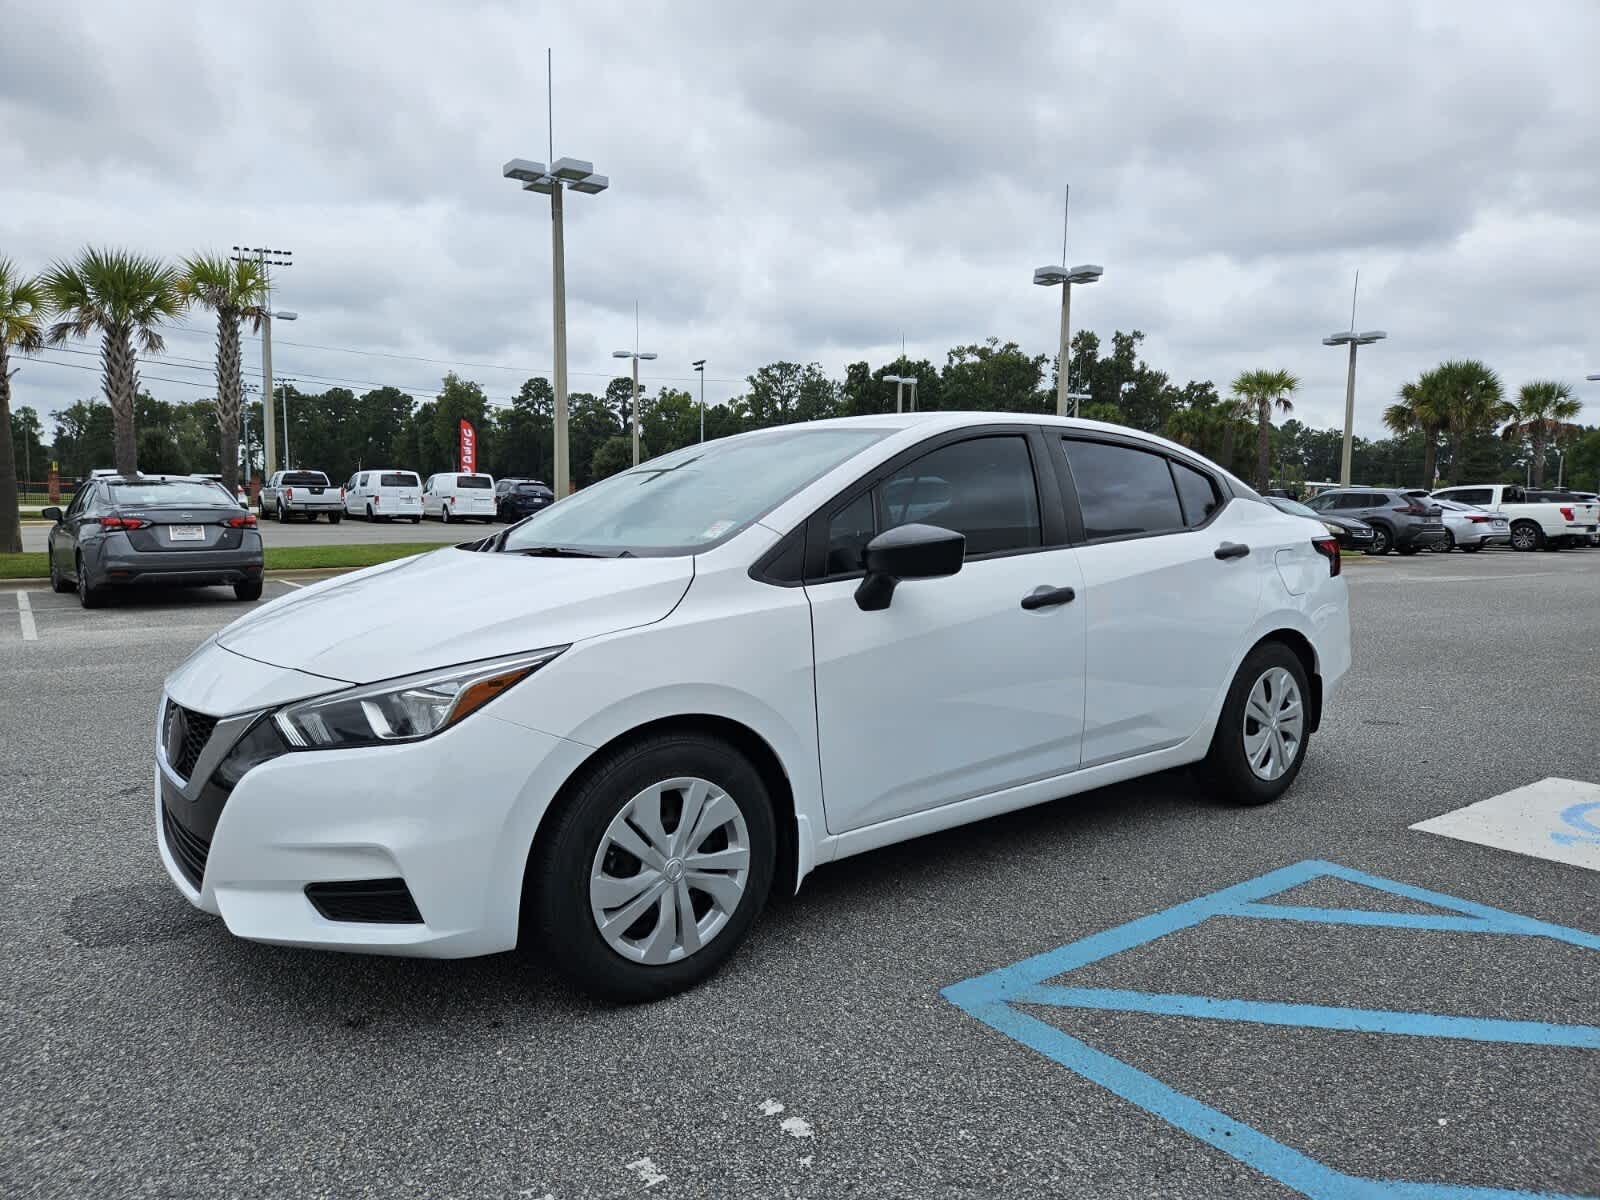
(188, 850)
(185, 735)
(373, 901)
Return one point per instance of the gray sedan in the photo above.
(120, 531)
(1469, 527)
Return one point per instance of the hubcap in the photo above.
(670, 871)
(1274, 724)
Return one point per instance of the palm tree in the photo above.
(22, 310)
(235, 291)
(1416, 411)
(1543, 412)
(1260, 391)
(1467, 394)
(123, 297)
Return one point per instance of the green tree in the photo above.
(30, 454)
(782, 392)
(993, 377)
(1417, 409)
(1583, 460)
(611, 456)
(22, 315)
(671, 421)
(458, 400)
(235, 292)
(525, 444)
(590, 423)
(1469, 397)
(1262, 391)
(1543, 412)
(124, 298)
(85, 437)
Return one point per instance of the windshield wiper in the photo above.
(557, 552)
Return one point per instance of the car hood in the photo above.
(453, 606)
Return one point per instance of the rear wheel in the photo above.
(369, 512)
(88, 596)
(444, 513)
(283, 514)
(1525, 535)
(1260, 740)
(335, 517)
(1382, 540)
(248, 590)
(654, 868)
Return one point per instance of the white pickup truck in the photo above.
(1539, 519)
(301, 494)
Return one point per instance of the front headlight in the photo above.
(403, 710)
(1333, 529)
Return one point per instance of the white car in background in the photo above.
(702, 678)
(1539, 519)
(384, 494)
(459, 496)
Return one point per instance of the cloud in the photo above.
(815, 182)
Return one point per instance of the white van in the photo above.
(454, 496)
(384, 494)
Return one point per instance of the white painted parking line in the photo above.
(30, 632)
(1557, 819)
(290, 583)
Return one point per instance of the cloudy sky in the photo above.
(816, 181)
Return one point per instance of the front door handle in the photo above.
(1231, 550)
(1046, 596)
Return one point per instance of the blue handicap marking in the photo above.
(995, 999)
(1578, 817)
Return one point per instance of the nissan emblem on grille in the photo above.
(176, 727)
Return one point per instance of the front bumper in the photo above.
(453, 816)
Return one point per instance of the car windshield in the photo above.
(305, 479)
(692, 498)
(474, 481)
(1292, 507)
(158, 493)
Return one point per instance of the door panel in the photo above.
(955, 690)
(1166, 620)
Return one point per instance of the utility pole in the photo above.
(1352, 339)
(266, 258)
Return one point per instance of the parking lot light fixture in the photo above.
(1352, 339)
(899, 382)
(1064, 277)
(699, 365)
(636, 355)
(563, 174)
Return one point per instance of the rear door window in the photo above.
(305, 479)
(1122, 492)
(400, 479)
(473, 481)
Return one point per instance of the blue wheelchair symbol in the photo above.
(1577, 817)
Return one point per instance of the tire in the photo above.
(1525, 535)
(577, 851)
(89, 597)
(283, 514)
(1445, 546)
(444, 514)
(416, 520)
(1382, 541)
(1227, 766)
(369, 513)
(57, 584)
(248, 590)
(1472, 549)
(1406, 551)
(335, 517)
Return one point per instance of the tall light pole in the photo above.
(899, 382)
(579, 176)
(1065, 276)
(1352, 339)
(911, 382)
(636, 355)
(699, 365)
(266, 259)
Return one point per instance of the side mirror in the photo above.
(50, 514)
(907, 552)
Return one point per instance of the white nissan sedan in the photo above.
(611, 730)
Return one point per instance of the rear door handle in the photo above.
(1046, 596)
(1231, 550)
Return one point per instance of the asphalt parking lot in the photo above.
(861, 1044)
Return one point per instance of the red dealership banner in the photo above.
(469, 447)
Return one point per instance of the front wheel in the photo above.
(654, 867)
(1446, 545)
(1472, 549)
(57, 584)
(1260, 740)
(1382, 540)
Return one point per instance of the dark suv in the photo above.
(518, 498)
(1399, 522)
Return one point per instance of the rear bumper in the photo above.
(1420, 537)
(118, 565)
(314, 506)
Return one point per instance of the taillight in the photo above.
(1566, 511)
(247, 521)
(1476, 520)
(1413, 509)
(288, 493)
(341, 492)
(125, 523)
(1329, 549)
(377, 500)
